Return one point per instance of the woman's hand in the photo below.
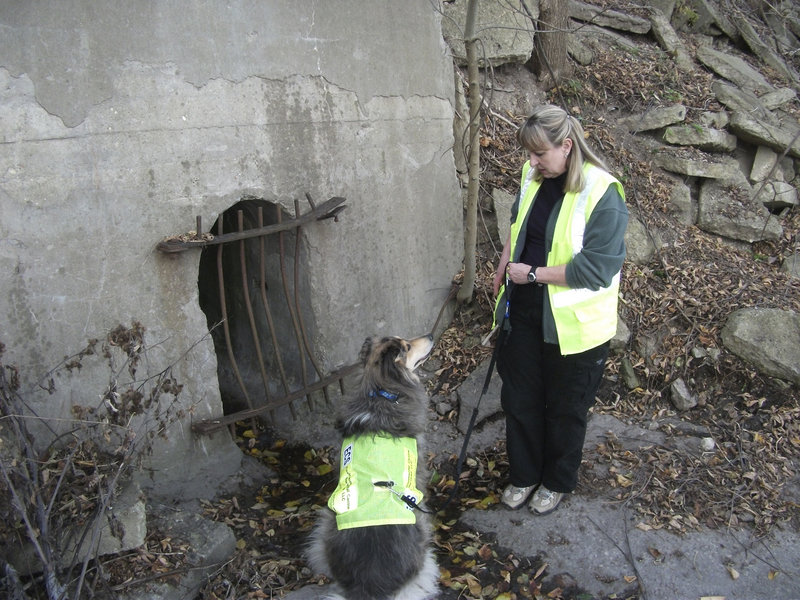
(499, 276)
(518, 272)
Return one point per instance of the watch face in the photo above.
(531, 276)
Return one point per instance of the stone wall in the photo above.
(121, 122)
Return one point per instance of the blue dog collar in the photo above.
(384, 393)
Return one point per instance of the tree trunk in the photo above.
(474, 163)
(549, 59)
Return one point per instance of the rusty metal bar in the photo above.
(211, 425)
(249, 306)
(288, 296)
(225, 327)
(267, 311)
(300, 321)
(329, 209)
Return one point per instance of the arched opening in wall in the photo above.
(254, 293)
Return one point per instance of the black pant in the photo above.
(546, 398)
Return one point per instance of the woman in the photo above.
(558, 283)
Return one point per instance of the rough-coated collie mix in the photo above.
(373, 543)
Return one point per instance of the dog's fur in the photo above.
(382, 562)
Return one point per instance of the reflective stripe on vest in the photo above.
(368, 460)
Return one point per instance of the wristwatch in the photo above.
(532, 275)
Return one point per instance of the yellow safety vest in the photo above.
(375, 471)
(584, 318)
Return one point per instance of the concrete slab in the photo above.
(597, 542)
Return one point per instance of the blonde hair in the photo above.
(549, 126)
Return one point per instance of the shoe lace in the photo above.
(546, 495)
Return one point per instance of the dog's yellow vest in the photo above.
(374, 471)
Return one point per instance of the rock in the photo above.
(777, 98)
(703, 16)
(212, 544)
(620, 340)
(766, 54)
(734, 69)
(682, 206)
(579, 51)
(736, 98)
(442, 408)
(122, 527)
(725, 208)
(791, 265)
(681, 397)
(605, 17)
(591, 35)
(629, 374)
(715, 120)
(503, 201)
(760, 132)
(705, 138)
(763, 163)
(707, 444)
(777, 195)
(708, 166)
(668, 39)
(655, 118)
(767, 339)
(667, 7)
(787, 169)
(639, 244)
(506, 34)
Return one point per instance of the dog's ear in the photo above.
(366, 348)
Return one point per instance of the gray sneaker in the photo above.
(514, 497)
(544, 501)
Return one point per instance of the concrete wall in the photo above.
(121, 121)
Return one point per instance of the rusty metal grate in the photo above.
(260, 317)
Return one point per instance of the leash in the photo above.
(501, 336)
(503, 329)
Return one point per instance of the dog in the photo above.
(373, 543)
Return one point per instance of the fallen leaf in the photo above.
(655, 553)
(485, 552)
(624, 481)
